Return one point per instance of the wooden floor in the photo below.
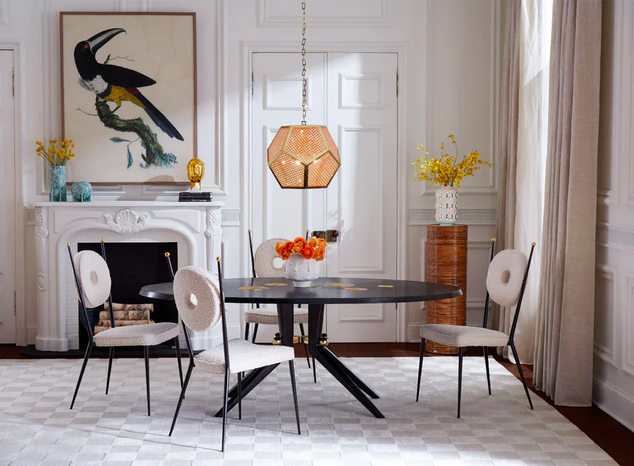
(616, 439)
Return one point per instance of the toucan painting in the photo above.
(129, 96)
(114, 83)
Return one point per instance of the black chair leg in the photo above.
(519, 368)
(291, 367)
(180, 400)
(239, 395)
(459, 379)
(255, 333)
(301, 331)
(178, 359)
(246, 331)
(224, 411)
(420, 366)
(81, 373)
(314, 371)
(146, 354)
(486, 363)
(110, 357)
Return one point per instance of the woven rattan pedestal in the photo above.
(446, 262)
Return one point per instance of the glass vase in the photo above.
(57, 183)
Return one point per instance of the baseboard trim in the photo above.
(614, 401)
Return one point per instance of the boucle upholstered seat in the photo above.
(505, 283)
(93, 284)
(138, 335)
(268, 316)
(243, 355)
(200, 303)
(460, 336)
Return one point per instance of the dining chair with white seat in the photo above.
(93, 285)
(200, 303)
(505, 282)
(263, 266)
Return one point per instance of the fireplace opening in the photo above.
(132, 266)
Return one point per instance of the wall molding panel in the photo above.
(469, 217)
(4, 12)
(350, 13)
(615, 236)
(608, 276)
(628, 325)
(614, 302)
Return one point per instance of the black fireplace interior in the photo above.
(132, 266)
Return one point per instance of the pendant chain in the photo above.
(303, 62)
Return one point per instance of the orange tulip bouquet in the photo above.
(302, 259)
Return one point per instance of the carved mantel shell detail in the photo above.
(126, 222)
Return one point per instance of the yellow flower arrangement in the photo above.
(56, 156)
(446, 170)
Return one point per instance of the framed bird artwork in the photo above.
(129, 95)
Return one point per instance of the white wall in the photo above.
(614, 314)
(448, 56)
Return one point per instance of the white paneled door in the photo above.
(7, 200)
(354, 94)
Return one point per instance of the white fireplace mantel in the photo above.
(195, 226)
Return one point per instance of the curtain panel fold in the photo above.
(507, 148)
(565, 327)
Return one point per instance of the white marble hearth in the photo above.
(196, 227)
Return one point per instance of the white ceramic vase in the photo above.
(301, 271)
(446, 205)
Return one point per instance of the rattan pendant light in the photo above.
(303, 156)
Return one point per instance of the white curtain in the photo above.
(536, 27)
(523, 167)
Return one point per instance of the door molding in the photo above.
(19, 135)
(246, 120)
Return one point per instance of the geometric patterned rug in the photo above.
(38, 428)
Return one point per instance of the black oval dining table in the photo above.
(325, 290)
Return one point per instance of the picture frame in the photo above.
(128, 95)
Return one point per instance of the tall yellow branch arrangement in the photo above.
(446, 170)
(54, 155)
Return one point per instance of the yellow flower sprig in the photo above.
(56, 156)
(446, 170)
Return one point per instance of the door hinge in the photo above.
(396, 83)
(13, 82)
(252, 79)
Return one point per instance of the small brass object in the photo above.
(167, 254)
(323, 340)
(68, 245)
(493, 239)
(101, 240)
(277, 340)
(195, 172)
(534, 243)
(295, 339)
(305, 339)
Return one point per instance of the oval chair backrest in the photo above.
(197, 296)
(265, 260)
(505, 277)
(94, 278)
